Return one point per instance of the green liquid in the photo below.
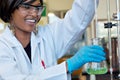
(97, 71)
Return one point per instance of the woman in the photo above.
(27, 53)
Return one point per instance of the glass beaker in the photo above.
(94, 67)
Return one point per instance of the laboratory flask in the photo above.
(94, 67)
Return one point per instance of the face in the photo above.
(25, 18)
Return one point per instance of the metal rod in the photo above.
(96, 18)
(109, 38)
(118, 35)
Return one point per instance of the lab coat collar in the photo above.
(9, 37)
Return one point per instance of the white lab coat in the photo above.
(51, 43)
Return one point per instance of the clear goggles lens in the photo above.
(38, 9)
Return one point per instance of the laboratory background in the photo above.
(104, 30)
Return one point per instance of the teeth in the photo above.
(31, 21)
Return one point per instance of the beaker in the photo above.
(94, 67)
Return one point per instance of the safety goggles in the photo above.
(28, 7)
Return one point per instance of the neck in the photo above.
(24, 38)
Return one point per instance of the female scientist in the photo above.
(27, 53)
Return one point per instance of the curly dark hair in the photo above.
(7, 7)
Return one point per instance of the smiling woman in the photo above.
(24, 18)
(25, 55)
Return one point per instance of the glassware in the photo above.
(97, 68)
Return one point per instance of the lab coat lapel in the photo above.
(42, 52)
(36, 57)
(23, 60)
(12, 40)
(34, 45)
(21, 55)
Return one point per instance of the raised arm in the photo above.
(68, 30)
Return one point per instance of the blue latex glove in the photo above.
(86, 54)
